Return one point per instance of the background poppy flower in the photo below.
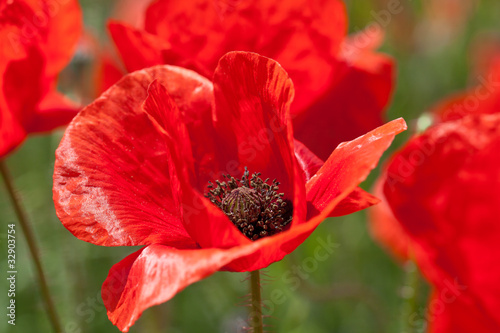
(342, 85)
(37, 41)
(133, 166)
(441, 208)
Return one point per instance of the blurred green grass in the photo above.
(356, 289)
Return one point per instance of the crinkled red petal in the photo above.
(154, 275)
(204, 222)
(252, 101)
(257, 104)
(111, 179)
(252, 121)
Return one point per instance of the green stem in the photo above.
(409, 295)
(33, 248)
(256, 314)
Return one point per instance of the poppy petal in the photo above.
(154, 275)
(258, 104)
(310, 164)
(53, 27)
(53, 111)
(111, 178)
(138, 49)
(354, 105)
(19, 105)
(363, 152)
(64, 23)
(451, 310)
(12, 133)
(33, 63)
(252, 101)
(252, 121)
(308, 161)
(162, 108)
(357, 200)
(205, 223)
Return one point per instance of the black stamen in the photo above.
(252, 204)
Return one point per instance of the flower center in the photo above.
(253, 205)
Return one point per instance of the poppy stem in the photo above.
(256, 312)
(409, 295)
(32, 246)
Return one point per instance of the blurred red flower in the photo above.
(442, 208)
(37, 41)
(342, 86)
(133, 168)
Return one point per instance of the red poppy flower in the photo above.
(37, 41)
(133, 168)
(342, 86)
(442, 193)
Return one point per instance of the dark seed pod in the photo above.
(254, 206)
